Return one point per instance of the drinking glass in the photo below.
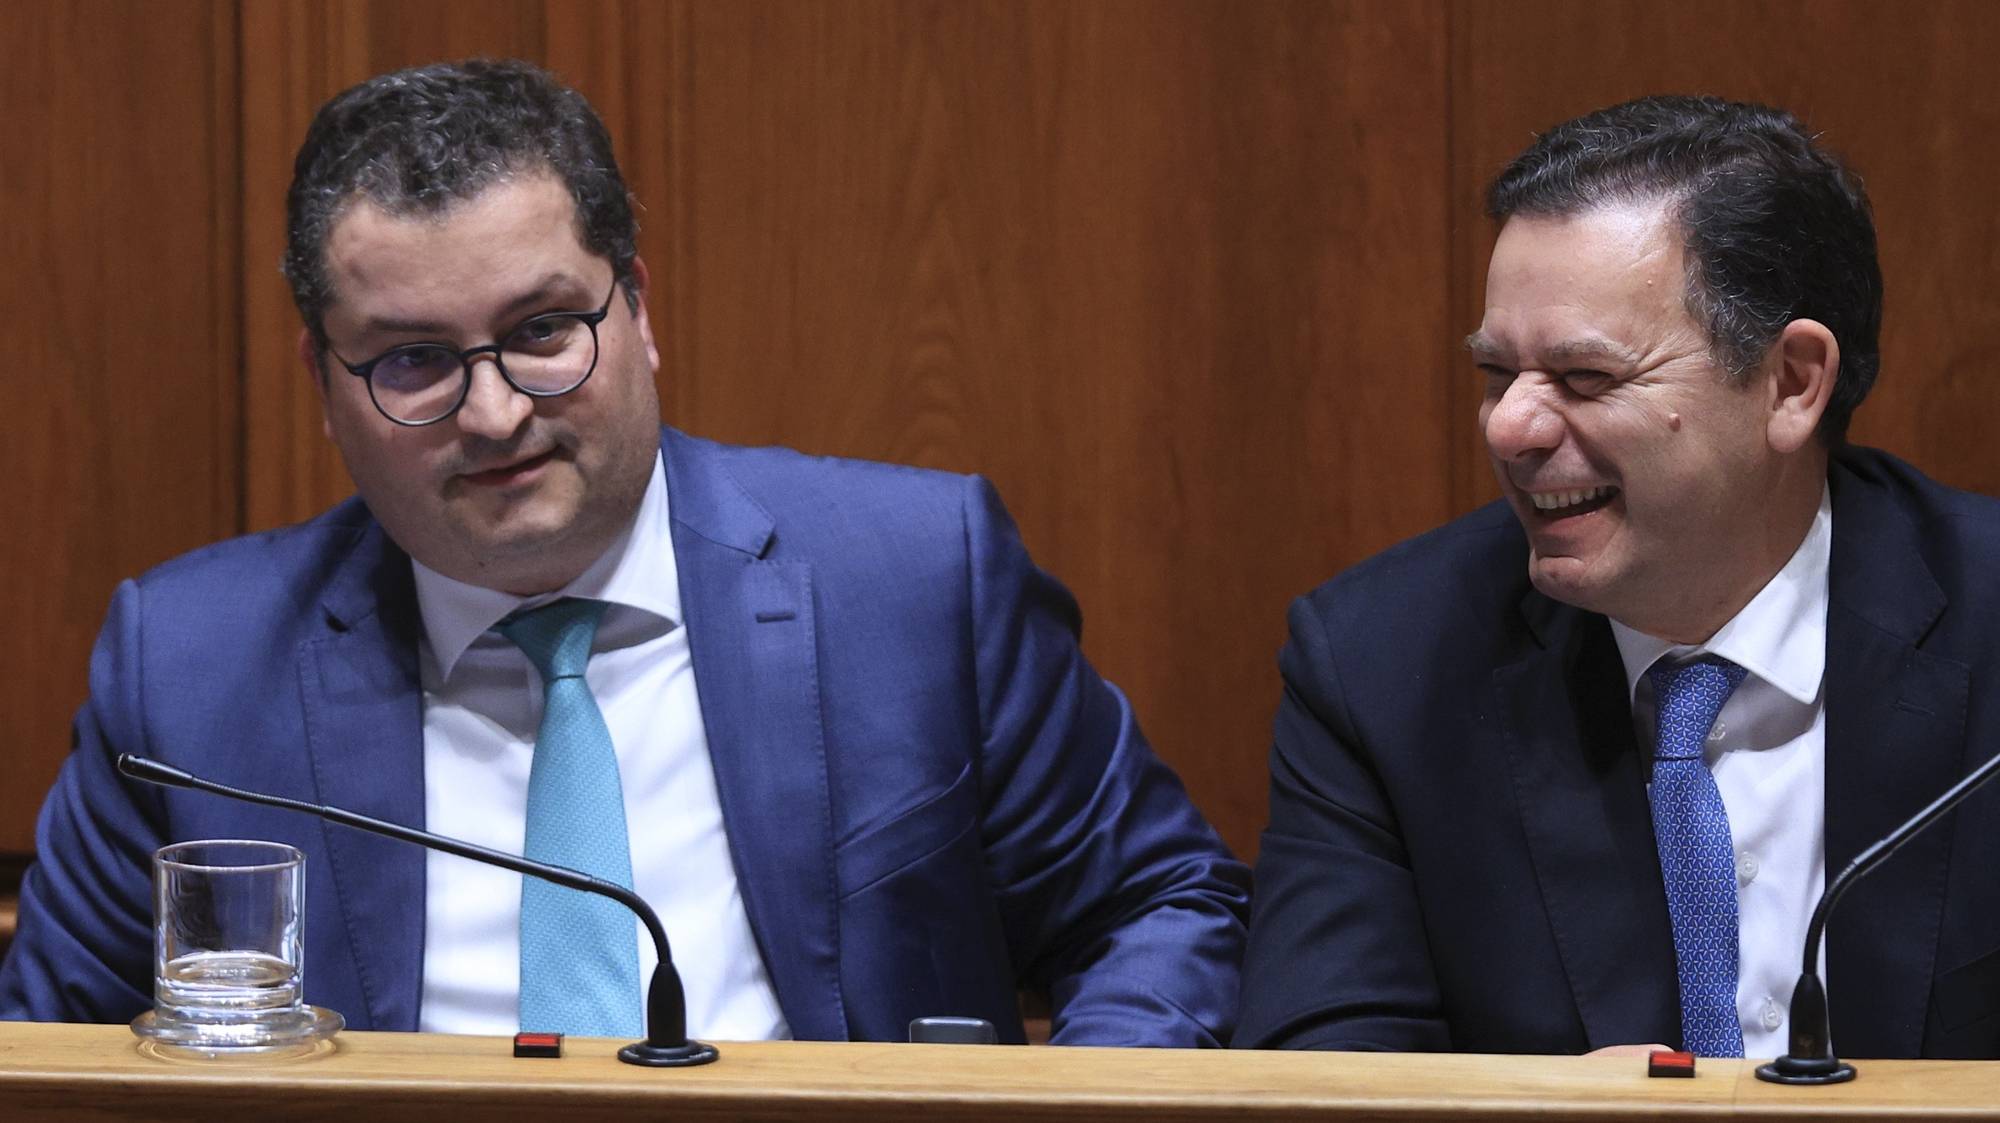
(229, 952)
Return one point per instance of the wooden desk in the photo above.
(97, 1072)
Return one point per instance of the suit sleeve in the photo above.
(1338, 957)
(83, 949)
(1116, 895)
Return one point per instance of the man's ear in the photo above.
(315, 365)
(641, 284)
(1804, 363)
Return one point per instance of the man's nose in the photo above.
(492, 407)
(1526, 421)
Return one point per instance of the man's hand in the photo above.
(1628, 1050)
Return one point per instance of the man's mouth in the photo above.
(1564, 504)
(510, 473)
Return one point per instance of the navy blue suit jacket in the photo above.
(1460, 854)
(930, 796)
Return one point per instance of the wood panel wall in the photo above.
(1186, 278)
(120, 321)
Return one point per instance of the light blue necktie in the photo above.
(579, 952)
(1697, 859)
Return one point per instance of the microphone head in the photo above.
(153, 772)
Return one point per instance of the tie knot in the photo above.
(556, 637)
(1688, 697)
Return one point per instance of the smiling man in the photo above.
(1568, 773)
(825, 716)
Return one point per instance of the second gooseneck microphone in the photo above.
(1810, 1059)
(666, 1044)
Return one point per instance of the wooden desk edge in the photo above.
(71, 1069)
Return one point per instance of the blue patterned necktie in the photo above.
(1697, 859)
(579, 952)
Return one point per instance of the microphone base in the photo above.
(1796, 1070)
(668, 1056)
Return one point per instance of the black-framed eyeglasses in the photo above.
(545, 356)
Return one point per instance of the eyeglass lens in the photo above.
(546, 355)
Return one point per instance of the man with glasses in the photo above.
(825, 716)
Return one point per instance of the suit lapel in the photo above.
(1580, 785)
(1895, 740)
(364, 736)
(752, 637)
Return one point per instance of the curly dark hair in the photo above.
(1775, 229)
(417, 141)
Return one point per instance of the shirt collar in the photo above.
(1780, 636)
(637, 571)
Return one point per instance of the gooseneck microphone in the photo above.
(1810, 1059)
(666, 1044)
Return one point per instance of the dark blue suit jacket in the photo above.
(930, 796)
(1461, 856)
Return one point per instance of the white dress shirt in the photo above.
(1767, 752)
(482, 704)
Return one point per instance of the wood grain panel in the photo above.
(629, 57)
(117, 183)
(1907, 95)
(1170, 273)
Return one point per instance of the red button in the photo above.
(538, 1044)
(1664, 1063)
